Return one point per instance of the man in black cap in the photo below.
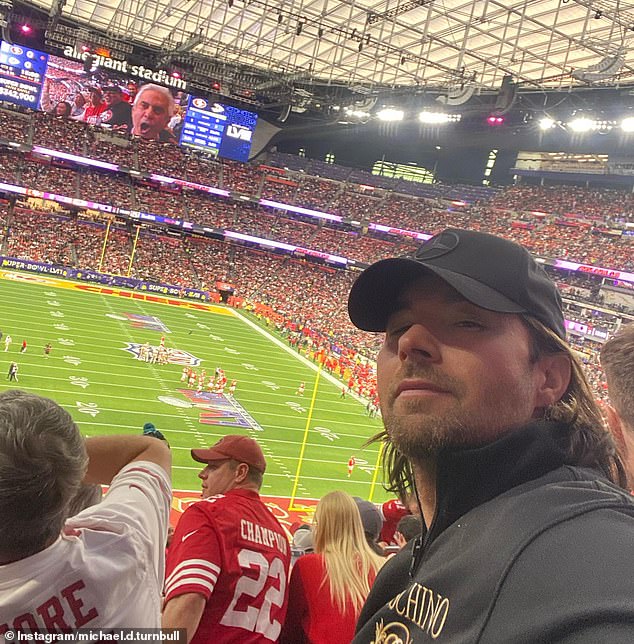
(488, 417)
(118, 113)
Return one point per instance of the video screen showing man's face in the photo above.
(151, 113)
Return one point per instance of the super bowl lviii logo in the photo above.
(174, 356)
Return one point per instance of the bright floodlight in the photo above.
(437, 118)
(350, 112)
(581, 125)
(627, 124)
(546, 123)
(390, 114)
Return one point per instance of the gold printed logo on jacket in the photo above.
(420, 605)
(392, 633)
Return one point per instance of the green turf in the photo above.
(88, 372)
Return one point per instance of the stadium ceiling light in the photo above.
(438, 118)
(360, 114)
(581, 125)
(627, 124)
(546, 123)
(390, 114)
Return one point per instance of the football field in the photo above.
(93, 371)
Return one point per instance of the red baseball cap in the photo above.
(239, 448)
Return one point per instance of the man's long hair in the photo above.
(588, 443)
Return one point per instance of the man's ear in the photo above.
(242, 472)
(554, 373)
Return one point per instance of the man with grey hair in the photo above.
(617, 360)
(104, 567)
(152, 109)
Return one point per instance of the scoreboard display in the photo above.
(220, 129)
(33, 79)
(21, 74)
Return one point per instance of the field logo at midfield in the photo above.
(175, 356)
(220, 410)
(147, 322)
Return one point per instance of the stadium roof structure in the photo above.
(372, 46)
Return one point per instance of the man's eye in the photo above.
(398, 330)
(470, 324)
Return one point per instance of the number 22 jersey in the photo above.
(233, 551)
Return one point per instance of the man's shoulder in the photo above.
(559, 495)
(572, 529)
(231, 502)
(509, 522)
(138, 500)
(145, 471)
(209, 506)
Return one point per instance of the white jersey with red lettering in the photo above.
(106, 569)
(233, 551)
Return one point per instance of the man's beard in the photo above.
(419, 433)
(422, 436)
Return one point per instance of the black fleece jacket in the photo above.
(522, 549)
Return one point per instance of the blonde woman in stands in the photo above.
(328, 588)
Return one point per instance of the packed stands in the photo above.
(211, 212)
(203, 170)
(37, 237)
(317, 194)
(10, 166)
(158, 199)
(59, 134)
(562, 222)
(15, 126)
(278, 188)
(109, 189)
(162, 158)
(159, 258)
(112, 149)
(241, 177)
(48, 177)
(603, 205)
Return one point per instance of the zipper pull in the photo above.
(417, 552)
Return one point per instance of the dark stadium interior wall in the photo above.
(361, 147)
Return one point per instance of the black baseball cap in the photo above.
(489, 271)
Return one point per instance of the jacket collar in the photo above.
(469, 477)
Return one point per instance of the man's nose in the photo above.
(418, 343)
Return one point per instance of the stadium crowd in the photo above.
(547, 212)
(560, 222)
(313, 318)
(306, 303)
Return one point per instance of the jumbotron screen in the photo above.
(22, 72)
(217, 128)
(119, 102)
(137, 103)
